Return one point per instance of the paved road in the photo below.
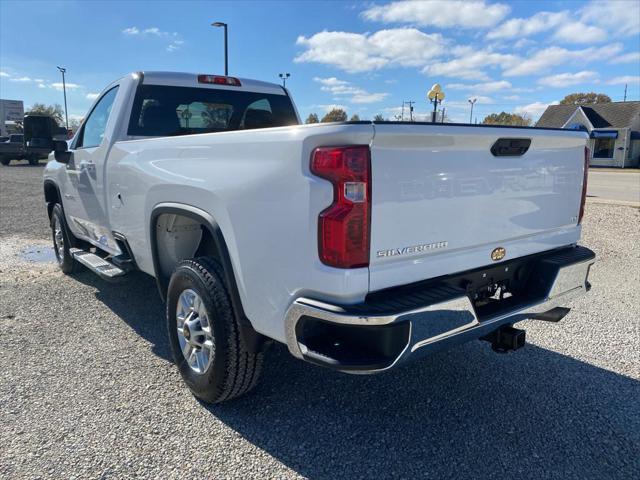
(614, 185)
(87, 389)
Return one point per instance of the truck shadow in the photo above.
(465, 413)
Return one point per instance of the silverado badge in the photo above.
(498, 254)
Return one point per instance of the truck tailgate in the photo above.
(442, 202)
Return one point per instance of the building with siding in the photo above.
(614, 130)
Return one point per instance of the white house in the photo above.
(614, 130)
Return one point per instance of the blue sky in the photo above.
(365, 56)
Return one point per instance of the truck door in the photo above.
(85, 202)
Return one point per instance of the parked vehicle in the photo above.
(34, 144)
(359, 245)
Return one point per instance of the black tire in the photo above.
(34, 160)
(5, 161)
(234, 370)
(63, 256)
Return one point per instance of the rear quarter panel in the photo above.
(257, 186)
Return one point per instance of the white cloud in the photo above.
(42, 85)
(618, 17)
(20, 79)
(328, 107)
(354, 52)
(522, 27)
(549, 57)
(565, 79)
(343, 88)
(486, 87)
(442, 14)
(578, 32)
(4, 74)
(470, 64)
(533, 110)
(175, 45)
(511, 97)
(69, 86)
(91, 96)
(631, 57)
(624, 79)
(39, 80)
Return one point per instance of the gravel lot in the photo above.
(87, 389)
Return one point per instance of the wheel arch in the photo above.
(213, 244)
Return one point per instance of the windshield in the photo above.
(161, 110)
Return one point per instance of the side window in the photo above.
(96, 123)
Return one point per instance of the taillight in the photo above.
(219, 80)
(344, 227)
(585, 176)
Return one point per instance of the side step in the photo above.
(98, 265)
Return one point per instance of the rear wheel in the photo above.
(204, 335)
(34, 160)
(63, 240)
(5, 161)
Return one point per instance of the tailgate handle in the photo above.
(510, 147)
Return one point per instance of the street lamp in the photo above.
(284, 77)
(226, 56)
(64, 90)
(472, 102)
(435, 96)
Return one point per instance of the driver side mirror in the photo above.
(61, 151)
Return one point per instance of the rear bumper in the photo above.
(406, 323)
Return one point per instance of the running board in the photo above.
(98, 265)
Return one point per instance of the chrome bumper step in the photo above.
(434, 316)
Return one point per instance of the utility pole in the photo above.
(410, 103)
(472, 102)
(625, 92)
(443, 110)
(63, 70)
(284, 77)
(402, 115)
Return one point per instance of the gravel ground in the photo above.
(87, 389)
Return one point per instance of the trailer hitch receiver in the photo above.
(506, 339)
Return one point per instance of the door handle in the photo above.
(87, 166)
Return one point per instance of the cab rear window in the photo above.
(160, 110)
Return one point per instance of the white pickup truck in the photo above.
(359, 245)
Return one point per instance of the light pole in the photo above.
(284, 77)
(226, 55)
(64, 91)
(472, 102)
(435, 96)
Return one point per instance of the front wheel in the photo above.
(34, 160)
(205, 336)
(62, 239)
(5, 161)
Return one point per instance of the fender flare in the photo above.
(253, 339)
(48, 203)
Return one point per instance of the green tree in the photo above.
(54, 111)
(582, 98)
(335, 115)
(355, 118)
(312, 118)
(504, 118)
(379, 118)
